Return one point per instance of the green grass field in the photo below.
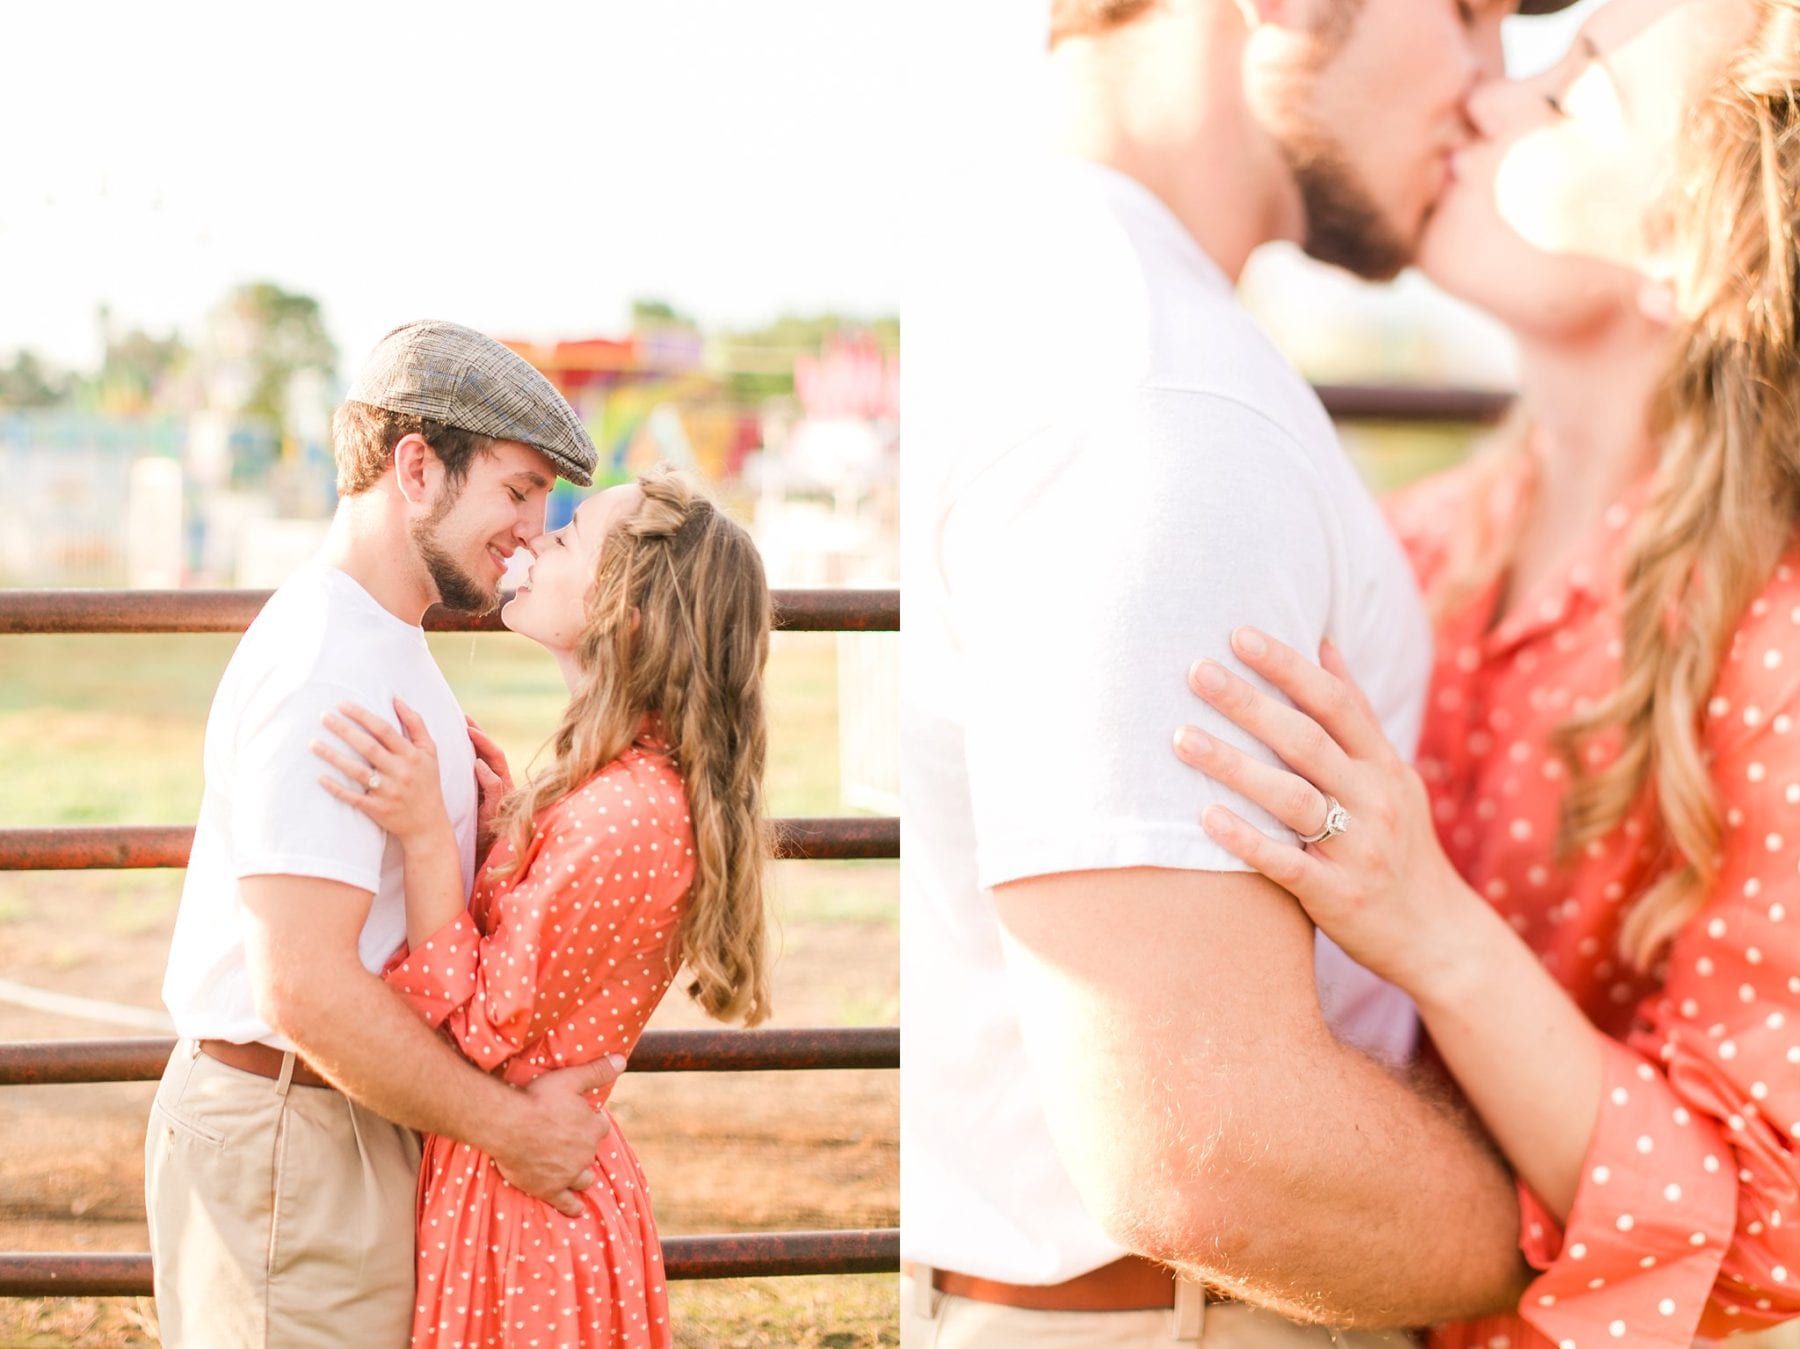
(107, 729)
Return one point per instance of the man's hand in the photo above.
(553, 1155)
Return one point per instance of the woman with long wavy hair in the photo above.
(1591, 885)
(635, 852)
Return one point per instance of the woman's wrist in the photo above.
(429, 836)
(1452, 950)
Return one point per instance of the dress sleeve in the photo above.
(1687, 1219)
(601, 882)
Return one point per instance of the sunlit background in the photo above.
(684, 213)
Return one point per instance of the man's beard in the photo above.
(455, 587)
(1344, 223)
(1344, 226)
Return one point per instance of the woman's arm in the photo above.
(1670, 1157)
(407, 800)
(1525, 1056)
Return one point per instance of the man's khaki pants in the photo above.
(280, 1215)
(933, 1320)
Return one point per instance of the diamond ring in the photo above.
(1337, 821)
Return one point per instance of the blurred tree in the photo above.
(759, 362)
(649, 313)
(270, 335)
(134, 367)
(29, 383)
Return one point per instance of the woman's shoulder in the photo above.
(1757, 689)
(642, 785)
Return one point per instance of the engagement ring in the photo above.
(375, 781)
(1337, 820)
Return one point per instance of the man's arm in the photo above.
(312, 988)
(1210, 1120)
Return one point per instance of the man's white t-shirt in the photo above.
(1109, 468)
(321, 640)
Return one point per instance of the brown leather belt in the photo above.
(263, 1060)
(1130, 1283)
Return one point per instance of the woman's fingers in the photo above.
(1287, 796)
(1333, 662)
(413, 725)
(487, 751)
(378, 755)
(1292, 868)
(1295, 737)
(373, 726)
(361, 800)
(351, 768)
(1328, 696)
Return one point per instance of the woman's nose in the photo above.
(1493, 104)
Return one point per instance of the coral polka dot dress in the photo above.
(1686, 1224)
(557, 964)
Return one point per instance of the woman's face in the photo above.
(1548, 220)
(550, 603)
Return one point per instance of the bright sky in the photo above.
(526, 169)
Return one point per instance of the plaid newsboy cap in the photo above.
(455, 375)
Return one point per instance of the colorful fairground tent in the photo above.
(656, 397)
(647, 399)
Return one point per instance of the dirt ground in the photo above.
(724, 1151)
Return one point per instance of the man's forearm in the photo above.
(1362, 1200)
(369, 1043)
(1210, 1120)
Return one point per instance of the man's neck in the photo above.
(1161, 100)
(368, 542)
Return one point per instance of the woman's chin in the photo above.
(509, 615)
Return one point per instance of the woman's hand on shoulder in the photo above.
(1380, 886)
(389, 775)
(493, 784)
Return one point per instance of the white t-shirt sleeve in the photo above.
(283, 822)
(1087, 572)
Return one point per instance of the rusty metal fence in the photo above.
(873, 1250)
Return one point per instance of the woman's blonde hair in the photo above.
(1726, 492)
(677, 628)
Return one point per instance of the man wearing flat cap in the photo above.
(1141, 1106)
(281, 1162)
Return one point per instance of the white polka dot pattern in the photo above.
(1687, 1222)
(558, 964)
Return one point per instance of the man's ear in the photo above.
(414, 464)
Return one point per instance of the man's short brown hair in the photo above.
(363, 439)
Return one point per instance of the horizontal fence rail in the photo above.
(1402, 403)
(121, 847)
(133, 847)
(852, 1251)
(36, 1063)
(145, 611)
